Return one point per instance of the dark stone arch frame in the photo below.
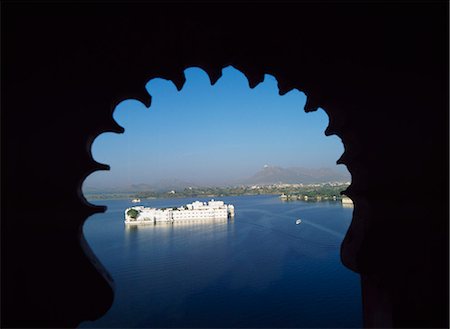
(80, 52)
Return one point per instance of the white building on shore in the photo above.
(190, 212)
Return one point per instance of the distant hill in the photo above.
(266, 176)
(296, 175)
(165, 185)
(162, 185)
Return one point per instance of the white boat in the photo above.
(298, 221)
(136, 200)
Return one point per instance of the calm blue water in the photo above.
(258, 270)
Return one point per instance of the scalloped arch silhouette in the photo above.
(380, 71)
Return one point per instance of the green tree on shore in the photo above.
(133, 213)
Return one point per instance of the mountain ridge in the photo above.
(268, 175)
(296, 175)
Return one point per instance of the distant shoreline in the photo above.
(312, 192)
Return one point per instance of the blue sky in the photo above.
(212, 134)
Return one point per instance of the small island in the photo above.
(191, 212)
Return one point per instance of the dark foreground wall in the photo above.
(379, 70)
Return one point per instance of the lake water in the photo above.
(259, 269)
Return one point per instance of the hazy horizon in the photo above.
(212, 135)
(182, 182)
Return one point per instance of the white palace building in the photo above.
(190, 212)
